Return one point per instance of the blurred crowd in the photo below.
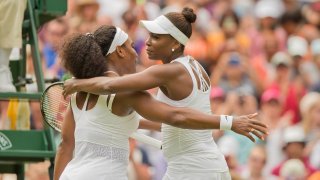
(262, 56)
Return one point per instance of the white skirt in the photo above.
(198, 176)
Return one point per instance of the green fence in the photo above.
(20, 147)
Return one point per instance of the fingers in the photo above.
(254, 115)
(248, 127)
(248, 135)
(68, 87)
(258, 123)
(262, 130)
(259, 135)
(65, 95)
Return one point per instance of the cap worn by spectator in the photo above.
(216, 92)
(308, 101)
(297, 46)
(281, 58)
(293, 134)
(234, 59)
(293, 168)
(270, 94)
(268, 8)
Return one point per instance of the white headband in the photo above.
(162, 25)
(120, 38)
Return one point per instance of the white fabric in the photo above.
(120, 38)
(101, 143)
(225, 122)
(6, 84)
(199, 176)
(162, 25)
(12, 15)
(191, 153)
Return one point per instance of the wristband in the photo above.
(226, 122)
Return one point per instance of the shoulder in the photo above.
(167, 70)
(130, 96)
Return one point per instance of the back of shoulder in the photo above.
(169, 70)
(133, 97)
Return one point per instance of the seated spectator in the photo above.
(294, 143)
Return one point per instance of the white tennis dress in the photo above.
(101, 142)
(192, 154)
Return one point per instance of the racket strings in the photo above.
(54, 106)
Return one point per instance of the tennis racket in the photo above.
(53, 105)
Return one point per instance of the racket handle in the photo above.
(147, 140)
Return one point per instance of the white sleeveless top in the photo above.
(191, 150)
(101, 142)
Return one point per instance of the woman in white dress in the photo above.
(191, 154)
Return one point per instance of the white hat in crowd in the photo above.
(269, 8)
(293, 134)
(297, 46)
(308, 101)
(281, 58)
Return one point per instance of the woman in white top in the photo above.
(191, 154)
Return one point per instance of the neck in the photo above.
(120, 69)
(173, 56)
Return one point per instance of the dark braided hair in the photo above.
(84, 55)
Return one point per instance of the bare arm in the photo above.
(189, 118)
(66, 147)
(145, 124)
(154, 76)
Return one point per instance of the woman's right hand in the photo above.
(69, 86)
(249, 125)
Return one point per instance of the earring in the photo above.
(172, 50)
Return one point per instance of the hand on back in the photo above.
(69, 86)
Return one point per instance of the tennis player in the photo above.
(191, 154)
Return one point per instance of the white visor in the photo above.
(120, 38)
(162, 25)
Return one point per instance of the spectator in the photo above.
(217, 40)
(267, 13)
(294, 143)
(310, 111)
(290, 89)
(255, 165)
(271, 114)
(53, 33)
(85, 16)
